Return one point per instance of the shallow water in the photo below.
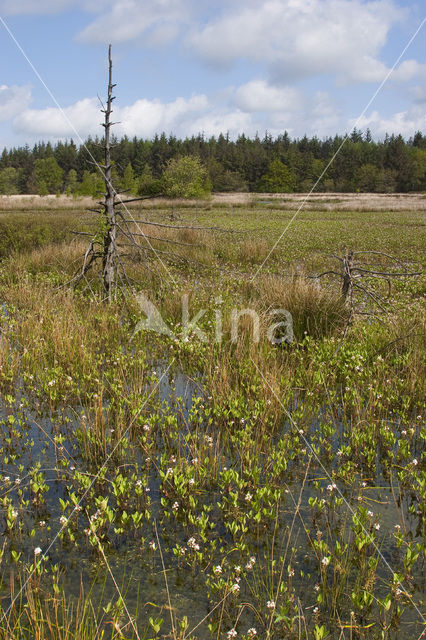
(137, 567)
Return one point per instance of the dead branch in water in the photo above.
(350, 275)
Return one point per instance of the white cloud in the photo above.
(253, 107)
(55, 123)
(162, 35)
(236, 111)
(125, 20)
(419, 94)
(13, 100)
(404, 122)
(408, 70)
(258, 95)
(317, 115)
(323, 118)
(221, 120)
(115, 20)
(144, 118)
(297, 38)
(286, 108)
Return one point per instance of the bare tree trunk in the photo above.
(109, 262)
(104, 244)
(348, 263)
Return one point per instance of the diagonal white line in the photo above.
(367, 106)
(187, 636)
(308, 444)
(69, 122)
(165, 580)
(290, 533)
(77, 506)
(132, 622)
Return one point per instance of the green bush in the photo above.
(185, 177)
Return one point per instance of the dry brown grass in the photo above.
(319, 201)
(315, 310)
(60, 257)
(346, 201)
(253, 250)
(43, 203)
(59, 335)
(9, 362)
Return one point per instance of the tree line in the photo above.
(194, 166)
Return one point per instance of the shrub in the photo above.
(185, 177)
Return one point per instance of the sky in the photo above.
(185, 67)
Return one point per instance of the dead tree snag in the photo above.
(116, 231)
(361, 282)
(109, 258)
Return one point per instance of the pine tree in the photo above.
(129, 183)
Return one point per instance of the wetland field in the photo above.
(205, 481)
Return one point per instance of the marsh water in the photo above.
(146, 578)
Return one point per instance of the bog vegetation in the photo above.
(164, 487)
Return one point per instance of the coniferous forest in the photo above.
(267, 164)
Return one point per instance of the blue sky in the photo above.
(184, 67)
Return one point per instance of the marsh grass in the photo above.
(254, 251)
(316, 310)
(62, 259)
(54, 615)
